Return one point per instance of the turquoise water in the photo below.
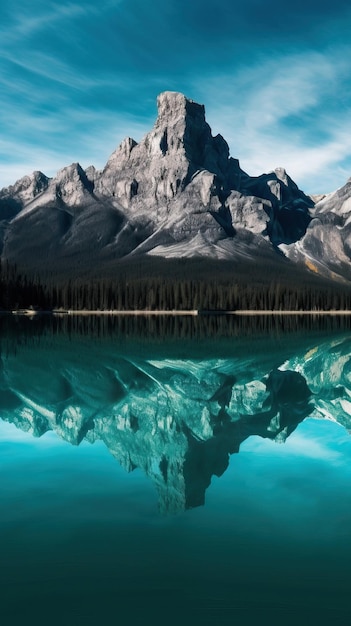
(167, 479)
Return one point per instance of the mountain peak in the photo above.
(180, 129)
(72, 184)
(32, 185)
(172, 104)
(182, 135)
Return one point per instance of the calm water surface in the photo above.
(190, 471)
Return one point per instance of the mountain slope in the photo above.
(326, 245)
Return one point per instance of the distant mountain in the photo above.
(175, 194)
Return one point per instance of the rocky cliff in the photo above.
(326, 245)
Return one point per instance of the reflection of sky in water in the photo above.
(81, 534)
(298, 490)
(50, 476)
(307, 476)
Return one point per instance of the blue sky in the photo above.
(275, 79)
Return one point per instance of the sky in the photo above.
(275, 79)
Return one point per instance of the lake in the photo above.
(175, 470)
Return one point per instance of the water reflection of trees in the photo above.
(175, 396)
(161, 327)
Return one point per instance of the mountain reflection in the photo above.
(177, 418)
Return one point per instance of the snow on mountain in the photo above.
(177, 192)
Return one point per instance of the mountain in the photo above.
(177, 193)
(326, 246)
(176, 417)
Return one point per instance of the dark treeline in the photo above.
(168, 290)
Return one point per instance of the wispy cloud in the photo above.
(275, 107)
(53, 43)
(56, 70)
(28, 22)
(300, 443)
(51, 141)
(275, 114)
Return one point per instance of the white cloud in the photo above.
(26, 23)
(284, 111)
(48, 143)
(298, 444)
(47, 32)
(54, 69)
(253, 109)
(9, 433)
(29, 24)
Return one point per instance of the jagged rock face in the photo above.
(177, 419)
(72, 186)
(23, 192)
(163, 163)
(285, 204)
(17, 196)
(177, 192)
(25, 189)
(326, 246)
(182, 169)
(174, 176)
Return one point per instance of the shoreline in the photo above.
(191, 312)
(287, 312)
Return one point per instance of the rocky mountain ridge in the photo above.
(176, 193)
